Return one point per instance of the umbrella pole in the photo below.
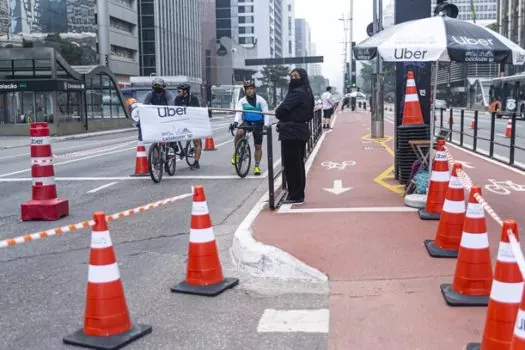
(432, 114)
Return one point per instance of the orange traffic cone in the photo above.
(412, 114)
(141, 161)
(437, 189)
(204, 271)
(505, 295)
(210, 144)
(508, 130)
(107, 324)
(473, 275)
(448, 235)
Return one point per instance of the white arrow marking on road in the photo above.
(338, 188)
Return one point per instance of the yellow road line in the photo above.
(387, 174)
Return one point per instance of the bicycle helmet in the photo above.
(184, 86)
(249, 83)
(158, 84)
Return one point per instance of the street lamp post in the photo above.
(378, 121)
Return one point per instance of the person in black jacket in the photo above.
(293, 114)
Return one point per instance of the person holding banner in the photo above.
(158, 96)
(294, 113)
(185, 98)
(259, 106)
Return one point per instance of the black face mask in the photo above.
(295, 83)
(158, 90)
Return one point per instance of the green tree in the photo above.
(318, 83)
(275, 76)
(389, 76)
(493, 26)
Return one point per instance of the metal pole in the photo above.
(103, 32)
(378, 121)
(351, 55)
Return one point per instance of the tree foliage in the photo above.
(389, 77)
(275, 76)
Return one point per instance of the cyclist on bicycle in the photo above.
(251, 102)
(185, 98)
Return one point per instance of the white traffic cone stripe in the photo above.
(475, 211)
(44, 181)
(454, 183)
(505, 253)
(199, 208)
(454, 207)
(41, 160)
(518, 327)
(103, 273)
(411, 98)
(40, 140)
(440, 176)
(203, 235)
(411, 82)
(100, 240)
(141, 154)
(441, 157)
(504, 292)
(474, 240)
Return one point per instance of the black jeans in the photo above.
(293, 153)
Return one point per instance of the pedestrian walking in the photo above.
(293, 114)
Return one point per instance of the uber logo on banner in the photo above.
(463, 40)
(171, 112)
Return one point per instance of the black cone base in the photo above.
(107, 343)
(208, 291)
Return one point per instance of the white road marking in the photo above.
(307, 321)
(102, 187)
(93, 156)
(99, 143)
(138, 178)
(287, 209)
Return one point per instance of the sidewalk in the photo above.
(384, 287)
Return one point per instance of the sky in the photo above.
(327, 30)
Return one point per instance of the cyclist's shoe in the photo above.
(195, 166)
(256, 170)
(234, 159)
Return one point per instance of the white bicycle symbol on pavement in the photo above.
(341, 166)
(504, 187)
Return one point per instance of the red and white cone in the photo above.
(44, 205)
(141, 161)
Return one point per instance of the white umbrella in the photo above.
(440, 39)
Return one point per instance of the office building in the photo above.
(170, 38)
(123, 38)
(302, 40)
(4, 17)
(485, 10)
(289, 28)
(314, 68)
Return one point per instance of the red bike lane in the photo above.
(354, 227)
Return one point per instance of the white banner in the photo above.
(172, 123)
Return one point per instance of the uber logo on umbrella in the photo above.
(463, 40)
(409, 54)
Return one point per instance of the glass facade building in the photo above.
(37, 85)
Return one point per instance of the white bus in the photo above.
(508, 95)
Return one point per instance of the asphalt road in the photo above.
(501, 143)
(44, 282)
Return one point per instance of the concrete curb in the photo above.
(267, 261)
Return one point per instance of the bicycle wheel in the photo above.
(171, 160)
(244, 158)
(189, 150)
(155, 163)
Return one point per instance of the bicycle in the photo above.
(243, 152)
(160, 158)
